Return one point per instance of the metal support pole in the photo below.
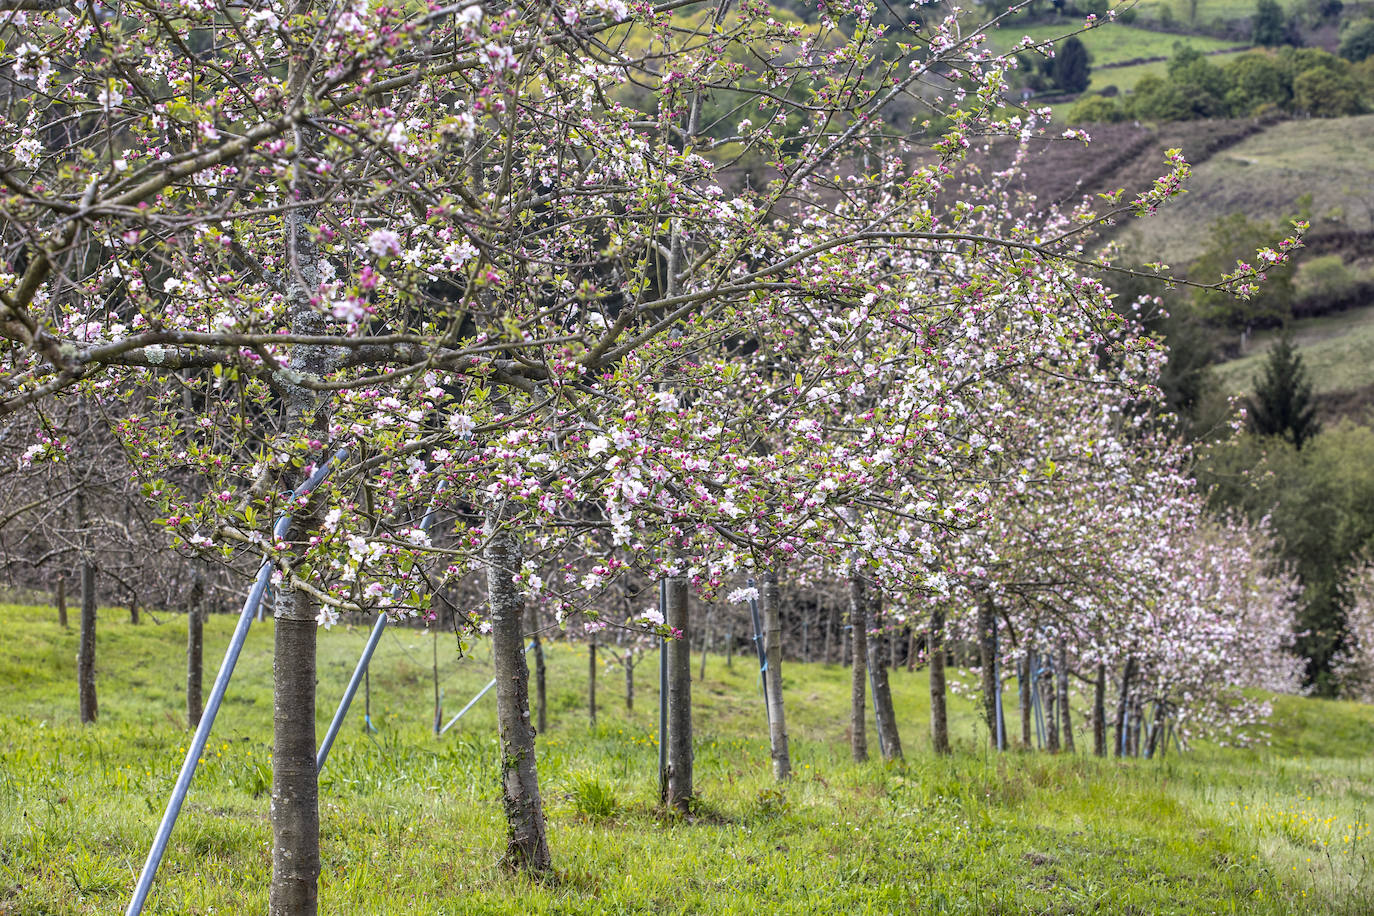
(877, 720)
(663, 694)
(212, 704)
(1037, 702)
(473, 702)
(761, 650)
(997, 686)
(337, 723)
(360, 671)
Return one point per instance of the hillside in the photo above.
(412, 824)
(1337, 350)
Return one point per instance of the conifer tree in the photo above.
(1282, 405)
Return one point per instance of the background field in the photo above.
(1265, 176)
(1337, 350)
(1109, 44)
(412, 825)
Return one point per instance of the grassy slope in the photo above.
(1338, 351)
(412, 825)
(1207, 10)
(1109, 43)
(1264, 176)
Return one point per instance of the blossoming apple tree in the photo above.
(498, 263)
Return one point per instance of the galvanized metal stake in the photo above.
(473, 702)
(663, 694)
(212, 704)
(360, 671)
(761, 650)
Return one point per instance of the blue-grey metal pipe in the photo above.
(877, 720)
(997, 687)
(363, 661)
(473, 702)
(663, 694)
(212, 704)
(760, 649)
(342, 712)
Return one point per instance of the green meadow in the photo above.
(412, 824)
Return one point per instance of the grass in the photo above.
(1265, 176)
(412, 825)
(1337, 351)
(1207, 10)
(1110, 43)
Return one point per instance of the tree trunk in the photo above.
(889, 743)
(527, 846)
(295, 816)
(1100, 711)
(62, 602)
(910, 649)
(195, 652)
(629, 682)
(939, 718)
(858, 610)
(679, 698)
(772, 641)
(1025, 697)
(85, 664)
(133, 610)
(1123, 706)
(591, 680)
(295, 784)
(1047, 691)
(1062, 666)
(987, 659)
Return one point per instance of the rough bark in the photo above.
(987, 659)
(1123, 706)
(680, 791)
(772, 641)
(527, 845)
(939, 718)
(295, 786)
(858, 604)
(133, 610)
(889, 742)
(195, 653)
(62, 602)
(294, 889)
(1062, 668)
(1100, 711)
(85, 663)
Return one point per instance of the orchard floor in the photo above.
(411, 824)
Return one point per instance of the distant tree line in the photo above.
(1298, 81)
